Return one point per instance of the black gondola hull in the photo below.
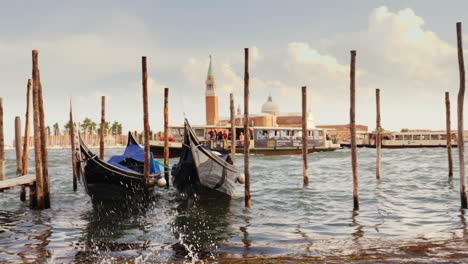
(105, 182)
(202, 172)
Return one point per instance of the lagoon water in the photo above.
(411, 214)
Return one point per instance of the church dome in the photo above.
(270, 107)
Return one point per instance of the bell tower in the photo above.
(212, 115)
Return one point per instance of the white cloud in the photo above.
(411, 64)
(254, 55)
(405, 42)
(231, 81)
(301, 53)
(195, 70)
(396, 52)
(229, 78)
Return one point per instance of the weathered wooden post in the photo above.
(448, 134)
(25, 162)
(166, 135)
(248, 202)
(103, 127)
(461, 97)
(378, 137)
(305, 150)
(353, 130)
(39, 201)
(73, 149)
(2, 144)
(233, 128)
(45, 167)
(145, 119)
(19, 155)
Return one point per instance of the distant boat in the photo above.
(121, 178)
(202, 171)
(266, 141)
(426, 139)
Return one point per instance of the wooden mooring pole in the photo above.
(19, 153)
(448, 134)
(145, 119)
(352, 113)
(2, 144)
(378, 136)
(248, 202)
(233, 127)
(305, 149)
(103, 127)
(166, 135)
(44, 160)
(73, 149)
(461, 97)
(39, 201)
(25, 162)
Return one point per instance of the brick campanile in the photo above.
(212, 115)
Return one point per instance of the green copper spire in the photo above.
(210, 70)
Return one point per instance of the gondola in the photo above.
(120, 178)
(201, 171)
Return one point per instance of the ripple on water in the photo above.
(414, 202)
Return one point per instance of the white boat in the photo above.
(429, 139)
(265, 141)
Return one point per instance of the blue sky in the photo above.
(93, 48)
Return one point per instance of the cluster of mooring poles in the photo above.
(39, 183)
(42, 188)
(248, 197)
(378, 136)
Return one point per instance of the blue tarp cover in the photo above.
(137, 153)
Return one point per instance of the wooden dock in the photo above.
(22, 180)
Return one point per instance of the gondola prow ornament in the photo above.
(161, 181)
(241, 178)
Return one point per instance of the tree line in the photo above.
(86, 127)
